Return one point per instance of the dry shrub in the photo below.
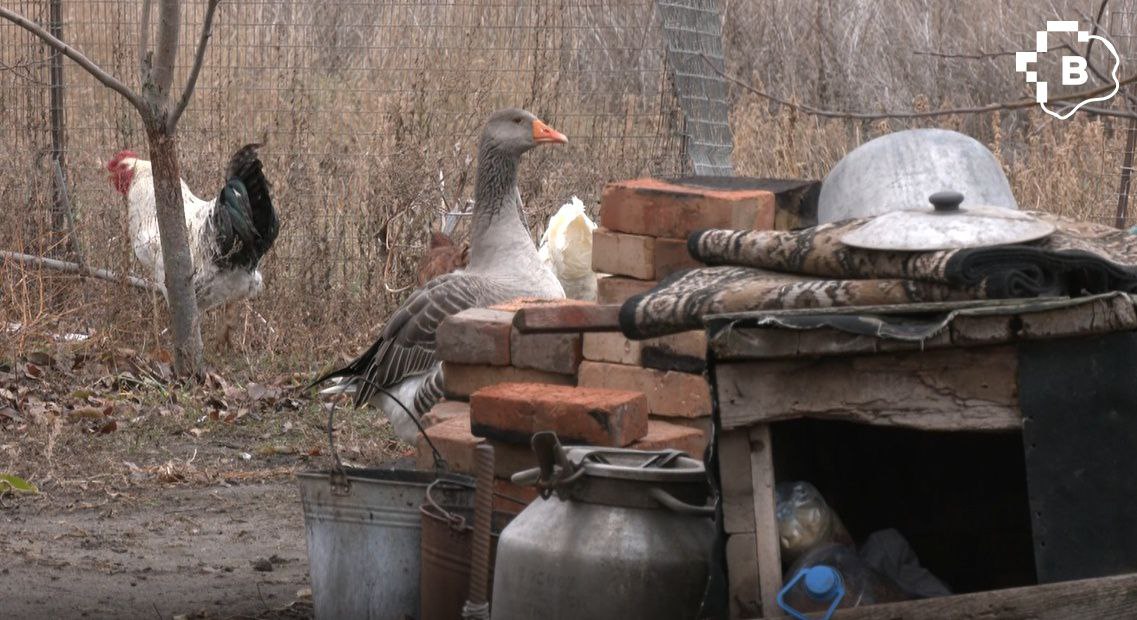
(370, 112)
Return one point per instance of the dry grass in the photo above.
(370, 111)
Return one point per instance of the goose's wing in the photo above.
(406, 346)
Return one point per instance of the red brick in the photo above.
(703, 424)
(532, 302)
(475, 336)
(660, 209)
(623, 254)
(462, 380)
(617, 289)
(571, 316)
(506, 489)
(444, 410)
(514, 412)
(671, 255)
(615, 348)
(510, 458)
(559, 353)
(611, 347)
(666, 436)
(454, 442)
(668, 393)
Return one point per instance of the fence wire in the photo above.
(369, 111)
(692, 32)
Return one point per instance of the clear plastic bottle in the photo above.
(831, 576)
(805, 520)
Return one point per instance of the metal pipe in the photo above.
(477, 603)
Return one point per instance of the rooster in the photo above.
(228, 235)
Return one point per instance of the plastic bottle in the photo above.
(805, 520)
(831, 576)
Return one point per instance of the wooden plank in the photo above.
(772, 343)
(1099, 316)
(742, 570)
(947, 389)
(735, 480)
(766, 545)
(1104, 598)
(568, 317)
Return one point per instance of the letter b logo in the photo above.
(1074, 71)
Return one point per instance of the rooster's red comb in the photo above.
(119, 157)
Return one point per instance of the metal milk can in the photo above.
(617, 534)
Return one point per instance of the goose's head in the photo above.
(515, 131)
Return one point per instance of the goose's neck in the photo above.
(498, 239)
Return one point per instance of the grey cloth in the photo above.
(887, 552)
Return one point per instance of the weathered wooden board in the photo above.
(766, 542)
(1098, 316)
(942, 390)
(1106, 598)
(742, 568)
(735, 480)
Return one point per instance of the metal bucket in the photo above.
(447, 539)
(900, 170)
(364, 536)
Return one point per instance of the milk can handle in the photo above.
(674, 504)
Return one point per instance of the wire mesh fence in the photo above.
(370, 112)
(370, 109)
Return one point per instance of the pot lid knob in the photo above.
(946, 201)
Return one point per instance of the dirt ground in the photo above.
(159, 502)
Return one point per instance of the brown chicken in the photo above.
(442, 257)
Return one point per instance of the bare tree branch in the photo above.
(979, 56)
(97, 72)
(80, 270)
(144, 43)
(992, 107)
(198, 60)
(166, 54)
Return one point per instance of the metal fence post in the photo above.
(59, 208)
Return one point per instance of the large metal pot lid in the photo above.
(947, 226)
(640, 465)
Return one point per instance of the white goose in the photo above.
(504, 265)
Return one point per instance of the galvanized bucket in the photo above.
(364, 536)
(447, 540)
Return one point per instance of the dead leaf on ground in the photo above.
(162, 355)
(87, 413)
(32, 371)
(256, 391)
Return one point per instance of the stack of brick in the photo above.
(519, 383)
(644, 225)
(588, 385)
(480, 348)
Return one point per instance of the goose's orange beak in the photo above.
(542, 133)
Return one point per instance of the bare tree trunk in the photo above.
(184, 316)
(160, 110)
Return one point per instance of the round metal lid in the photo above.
(899, 170)
(947, 226)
